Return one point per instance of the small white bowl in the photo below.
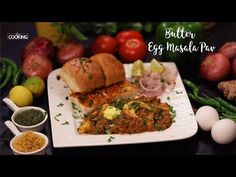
(16, 132)
(37, 127)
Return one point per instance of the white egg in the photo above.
(224, 131)
(206, 117)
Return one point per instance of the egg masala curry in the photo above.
(128, 116)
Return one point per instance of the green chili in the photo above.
(191, 85)
(8, 76)
(226, 104)
(211, 102)
(17, 76)
(204, 101)
(229, 116)
(10, 62)
(3, 69)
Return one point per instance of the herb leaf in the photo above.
(90, 76)
(60, 105)
(65, 123)
(110, 139)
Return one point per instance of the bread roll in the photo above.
(82, 75)
(112, 68)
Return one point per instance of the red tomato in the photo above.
(104, 44)
(132, 50)
(37, 65)
(123, 36)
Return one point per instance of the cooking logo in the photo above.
(17, 36)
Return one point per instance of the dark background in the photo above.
(201, 143)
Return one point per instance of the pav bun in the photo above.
(82, 75)
(112, 68)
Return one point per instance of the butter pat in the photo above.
(111, 112)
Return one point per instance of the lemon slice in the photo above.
(156, 66)
(137, 69)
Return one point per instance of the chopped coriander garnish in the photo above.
(65, 123)
(178, 92)
(75, 107)
(145, 121)
(60, 105)
(158, 115)
(162, 80)
(110, 122)
(59, 114)
(152, 108)
(168, 98)
(99, 107)
(83, 97)
(157, 126)
(110, 139)
(75, 117)
(125, 90)
(172, 112)
(119, 104)
(97, 131)
(56, 116)
(134, 105)
(90, 103)
(90, 76)
(56, 119)
(108, 132)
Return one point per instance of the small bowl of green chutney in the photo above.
(28, 117)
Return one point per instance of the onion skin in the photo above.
(215, 67)
(229, 50)
(69, 51)
(41, 46)
(233, 69)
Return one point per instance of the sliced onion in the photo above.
(151, 84)
(170, 73)
(157, 89)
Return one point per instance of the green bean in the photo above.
(16, 77)
(8, 76)
(3, 69)
(226, 104)
(191, 85)
(10, 62)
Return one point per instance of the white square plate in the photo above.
(64, 125)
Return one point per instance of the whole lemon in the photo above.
(36, 85)
(21, 96)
